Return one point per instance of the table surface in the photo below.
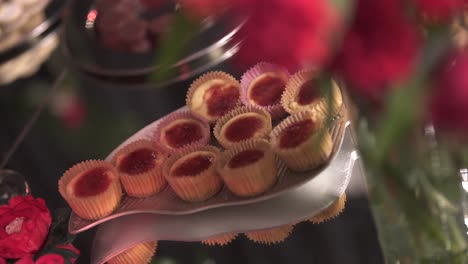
(111, 115)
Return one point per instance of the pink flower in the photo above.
(380, 49)
(285, 32)
(449, 101)
(24, 224)
(440, 10)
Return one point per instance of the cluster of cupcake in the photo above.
(242, 115)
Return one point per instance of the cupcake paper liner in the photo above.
(330, 212)
(221, 240)
(194, 188)
(270, 236)
(181, 115)
(142, 184)
(236, 112)
(204, 79)
(277, 110)
(253, 179)
(97, 206)
(139, 254)
(288, 100)
(311, 153)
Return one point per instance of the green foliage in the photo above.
(174, 43)
(58, 235)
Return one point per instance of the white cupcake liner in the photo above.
(215, 75)
(311, 153)
(97, 206)
(176, 116)
(259, 69)
(194, 188)
(141, 254)
(289, 97)
(236, 112)
(253, 179)
(330, 212)
(143, 184)
(270, 236)
(221, 240)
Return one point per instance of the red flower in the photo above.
(24, 225)
(70, 109)
(2, 261)
(51, 259)
(449, 102)
(440, 10)
(380, 49)
(285, 32)
(25, 260)
(71, 248)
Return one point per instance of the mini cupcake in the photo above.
(220, 240)
(302, 141)
(248, 168)
(330, 212)
(140, 168)
(213, 95)
(91, 188)
(180, 130)
(141, 254)
(263, 85)
(242, 124)
(192, 174)
(270, 236)
(303, 94)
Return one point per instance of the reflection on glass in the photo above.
(12, 184)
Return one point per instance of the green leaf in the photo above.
(58, 233)
(345, 7)
(182, 31)
(404, 107)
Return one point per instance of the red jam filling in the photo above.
(193, 166)
(243, 128)
(268, 90)
(183, 133)
(92, 183)
(138, 161)
(221, 98)
(296, 134)
(307, 93)
(245, 158)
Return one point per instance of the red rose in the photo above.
(50, 259)
(2, 261)
(24, 225)
(289, 33)
(25, 260)
(71, 248)
(449, 107)
(439, 11)
(380, 49)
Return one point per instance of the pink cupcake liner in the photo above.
(181, 115)
(275, 110)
